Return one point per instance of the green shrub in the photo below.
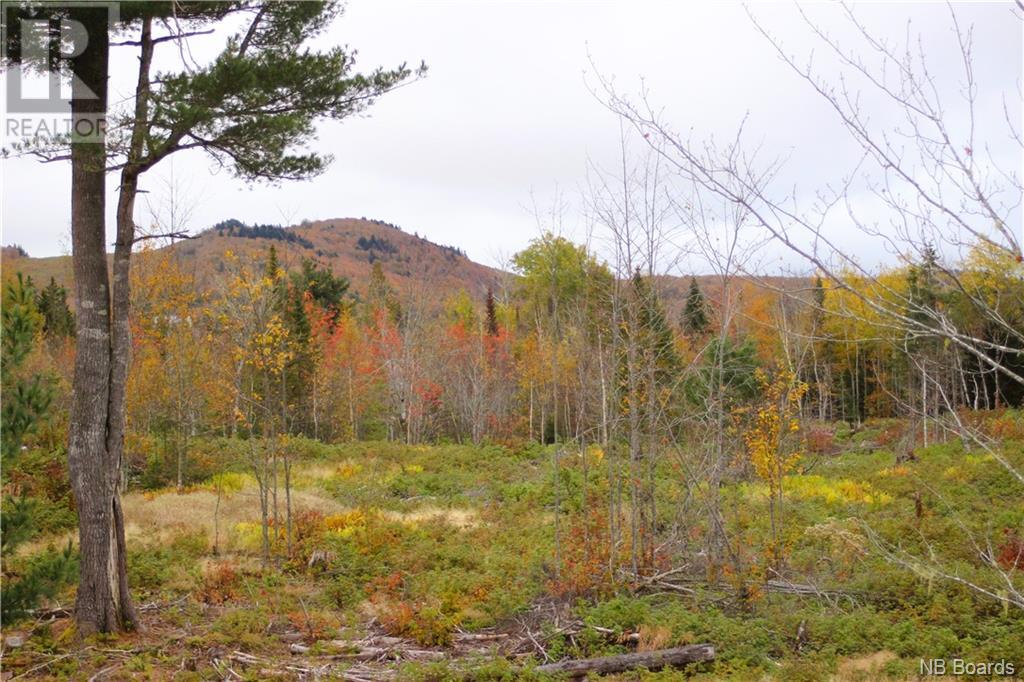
(149, 568)
(241, 628)
(40, 577)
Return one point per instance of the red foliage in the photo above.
(315, 626)
(219, 584)
(1010, 555)
(820, 440)
(892, 434)
(585, 562)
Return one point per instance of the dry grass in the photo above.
(312, 472)
(653, 637)
(457, 518)
(867, 667)
(158, 518)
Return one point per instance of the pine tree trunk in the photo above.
(102, 603)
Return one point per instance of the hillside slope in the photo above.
(418, 268)
(415, 266)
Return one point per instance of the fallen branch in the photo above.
(47, 664)
(479, 636)
(652, 660)
(46, 614)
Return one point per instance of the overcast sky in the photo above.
(505, 119)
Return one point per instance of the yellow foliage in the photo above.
(765, 440)
(228, 482)
(347, 470)
(248, 535)
(832, 491)
(345, 524)
(955, 473)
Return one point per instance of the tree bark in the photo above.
(102, 603)
(652, 660)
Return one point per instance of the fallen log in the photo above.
(652, 660)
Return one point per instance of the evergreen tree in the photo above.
(327, 290)
(695, 315)
(653, 330)
(298, 372)
(41, 576)
(819, 296)
(649, 363)
(492, 314)
(25, 402)
(254, 108)
(733, 363)
(272, 266)
(924, 287)
(25, 399)
(58, 320)
(924, 359)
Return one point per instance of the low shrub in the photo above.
(219, 583)
(149, 568)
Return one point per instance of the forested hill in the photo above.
(348, 246)
(415, 266)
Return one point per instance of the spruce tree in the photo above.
(327, 290)
(58, 320)
(298, 372)
(695, 315)
(492, 314)
(653, 330)
(271, 265)
(654, 362)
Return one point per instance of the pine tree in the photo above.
(25, 399)
(43, 577)
(695, 314)
(254, 108)
(25, 402)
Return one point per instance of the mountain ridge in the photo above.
(417, 267)
(413, 264)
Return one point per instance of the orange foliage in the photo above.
(219, 583)
(1010, 555)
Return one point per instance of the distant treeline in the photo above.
(450, 251)
(375, 243)
(236, 228)
(377, 247)
(17, 250)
